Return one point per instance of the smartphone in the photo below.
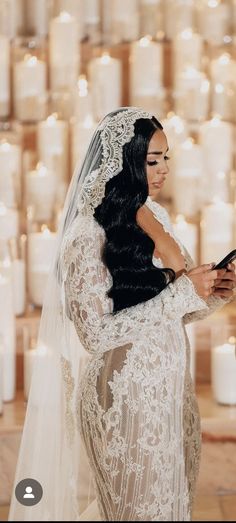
(229, 258)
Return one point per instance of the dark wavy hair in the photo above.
(128, 250)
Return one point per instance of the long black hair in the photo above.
(128, 250)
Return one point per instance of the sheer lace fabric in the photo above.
(136, 407)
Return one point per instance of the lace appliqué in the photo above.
(69, 389)
(116, 131)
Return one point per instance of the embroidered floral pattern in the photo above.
(69, 389)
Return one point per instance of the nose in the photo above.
(163, 167)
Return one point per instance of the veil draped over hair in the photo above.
(51, 451)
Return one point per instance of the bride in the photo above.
(113, 382)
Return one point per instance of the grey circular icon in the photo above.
(28, 492)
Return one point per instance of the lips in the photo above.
(159, 184)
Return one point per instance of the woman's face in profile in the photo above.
(156, 163)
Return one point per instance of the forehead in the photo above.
(158, 142)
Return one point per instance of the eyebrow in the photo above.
(158, 152)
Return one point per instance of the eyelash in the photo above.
(156, 163)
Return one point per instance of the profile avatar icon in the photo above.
(28, 493)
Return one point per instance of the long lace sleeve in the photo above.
(88, 306)
(214, 303)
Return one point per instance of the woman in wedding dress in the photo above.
(122, 287)
(130, 290)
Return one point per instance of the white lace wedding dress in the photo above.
(137, 409)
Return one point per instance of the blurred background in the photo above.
(64, 64)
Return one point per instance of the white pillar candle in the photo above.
(179, 15)
(101, 70)
(92, 21)
(11, 17)
(223, 100)
(75, 8)
(151, 18)
(40, 186)
(30, 83)
(7, 329)
(10, 173)
(217, 141)
(176, 132)
(125, 20)
(40, 252)
(4, 76)
(191, 94)
(214, 19)
(1, 374)
(222, 69)
(37, 16)
(9, 222)
(31, 355)
(81, 135)
(83, 100)
(187, 47)
(145, 51)
(64, 59)
(19, 286)
(187, 234)
(223, 372)
(187, 177)
(52, 141)
(217, 231)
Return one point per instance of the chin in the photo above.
(154, 194)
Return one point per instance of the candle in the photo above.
(1, 374)
(31, 355)
(81, 135)
(41, 192)
(217, 141)
(105, 99)
(223, 370)
(187, 234)
(75, 8)
(151, 18)
(40, 251)
(52, 141)
(29, 80)
(5, 76)
(64, 59)
(223, 100)
(176, 132)
(83, 100)
(217, 231)
(178, 16)
(191, 94)
(214, 20)
(92, 20)
(125, 20)
(222, 69)
(11, 14)
(37, 16)
(7, 329)
(145, 51)
(187, 179)
(9, 222)
(10, 173)
(187, 47)
(17, 257)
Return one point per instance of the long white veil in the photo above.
(51, 451)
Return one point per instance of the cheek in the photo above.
(149, 175)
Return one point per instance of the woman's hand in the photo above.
(204, 280)
(225, 285)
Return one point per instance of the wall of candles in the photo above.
(63, 65)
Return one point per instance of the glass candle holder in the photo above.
(29, 79)
(223, 363)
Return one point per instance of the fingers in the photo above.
(223, 293)
(202, 268)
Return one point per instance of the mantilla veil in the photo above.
(51, 450)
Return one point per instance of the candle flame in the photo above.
(83, 85)
(188, 144)
(5, 146)
(213, 3)
(219, 88)
(3, 208)
(45, 230)
(180, 219)
(224, 59)
(145, 41)
(64, 16)
(31, 60)
(51, 120)
(105, 58)
(232, 339)
(187, 33)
